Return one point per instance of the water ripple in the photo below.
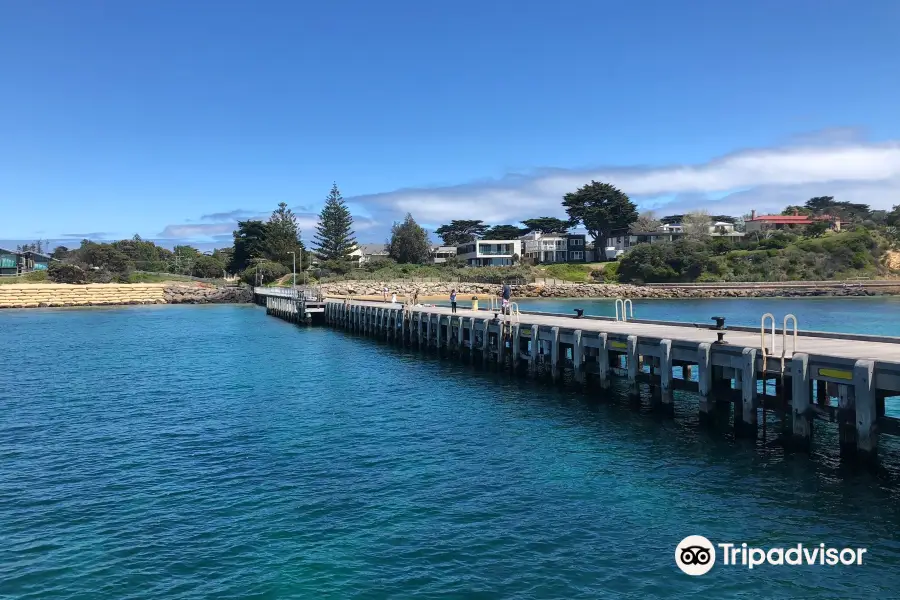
(212, 452)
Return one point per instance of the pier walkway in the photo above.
(804, 376)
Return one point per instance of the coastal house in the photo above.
(440, 254)
(13, 262)
(554, 247)
(623, 240)
(490, 253)
(759, 223)
(364, 253)
(34, 261)
(9, 262)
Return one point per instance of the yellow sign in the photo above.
(525, 331)
(836, 374)
(620, 345)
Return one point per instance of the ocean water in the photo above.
(876, 315)
(213, 452)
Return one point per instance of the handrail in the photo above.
(514, 311)
(784, 338)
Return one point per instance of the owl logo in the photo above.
(695, 555)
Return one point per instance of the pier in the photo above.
(802, 376)
(297, 305)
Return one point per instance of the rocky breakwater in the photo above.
(183, 294)
(599, 290)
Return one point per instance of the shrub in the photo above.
(59, 272)
(35, 276)
(268, 270)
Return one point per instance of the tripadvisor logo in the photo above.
(696, 555)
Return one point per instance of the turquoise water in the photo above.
(878, 315)
(214, 452)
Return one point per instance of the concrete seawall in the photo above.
(110, 294)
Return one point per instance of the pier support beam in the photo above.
(516, 349)
(631, 358)
(535, 350)
(578, 356)
(554, 353)
(704, 381)
(438, 333)
(665, 373)
(501, 345)
(603, 361)
(420, 331)
(460, 334)
(801, 392)
(748, 423)
(428, 331)
(485, 340)
(471, 336)
(866, 409)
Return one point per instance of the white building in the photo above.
(554, 247)
(489, 253)
(622, 241)
(366, 252)
(440, 254)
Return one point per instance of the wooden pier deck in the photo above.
(813, 376)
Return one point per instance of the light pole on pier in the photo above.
(295, 269)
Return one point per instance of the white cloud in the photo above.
(765, 179)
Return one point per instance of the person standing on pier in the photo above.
(452, 301)
(394, 298)
(384, 293)
(506, 293)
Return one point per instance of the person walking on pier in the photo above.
(452, 301)
(394, 298)
(506, 293)
(384, 293)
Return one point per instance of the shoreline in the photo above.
(465, 291)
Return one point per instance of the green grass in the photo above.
(33, 277)
(578, 273)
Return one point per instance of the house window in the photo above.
(619, 240)
(577, 255)
(576, 241)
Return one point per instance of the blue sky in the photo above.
(171, 119)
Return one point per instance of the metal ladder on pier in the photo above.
(767, 343)
(625, 303)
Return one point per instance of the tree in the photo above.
(334, 237)
(502, 232)
(696, 224)
(645, 222)
(60, 253)
(893, 217)
(460, 232)
(209, 267)
(601, 208)
(816, 229)
(546, 225)
(283, 238)
(409, 242)
(250, 242)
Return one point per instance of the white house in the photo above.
(554, 247)
(440, 254)
(622, 241)
(489, 253)
(366, 252)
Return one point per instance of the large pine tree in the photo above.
(334, 237)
